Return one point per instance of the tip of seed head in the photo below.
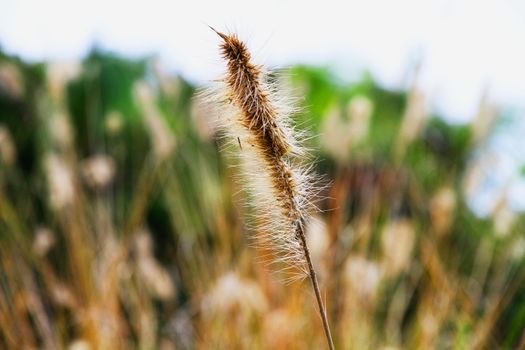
(222, 35)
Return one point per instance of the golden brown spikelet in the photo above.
(259, 121)
(259, 115)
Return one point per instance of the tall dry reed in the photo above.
(258, 120)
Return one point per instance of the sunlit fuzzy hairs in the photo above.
(259, 122)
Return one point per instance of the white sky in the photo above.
(466, 45)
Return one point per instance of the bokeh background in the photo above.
(122, 225)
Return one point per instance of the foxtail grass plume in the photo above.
(98, 170)
(58, 76)
(258, 122)
(60, 180)
(342, 135)
(11, 80)
(44, 240)
(155, 276)
(161, 137)
(363, 278)
(7, 146)
(413, 122)
(397, 242)
(442, 209)
(114, 122)
(231, 292)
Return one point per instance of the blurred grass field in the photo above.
(121, 225)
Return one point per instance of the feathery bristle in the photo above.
(258, 121)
